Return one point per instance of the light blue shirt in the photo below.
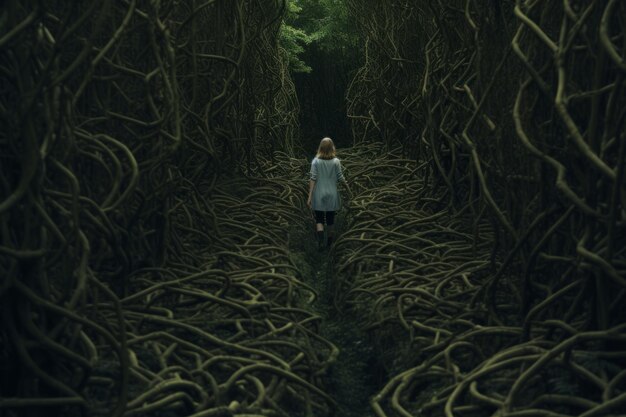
(326, 173)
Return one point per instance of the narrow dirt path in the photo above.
(353, 377)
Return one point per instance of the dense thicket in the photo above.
(141, 274)
(131, 280)
(514, 112)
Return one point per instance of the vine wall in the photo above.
(117, 119)
(514, 114)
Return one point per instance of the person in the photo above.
(324, 198)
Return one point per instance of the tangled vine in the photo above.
(514, 115)
(125, 286)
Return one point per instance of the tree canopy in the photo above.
(323, 23)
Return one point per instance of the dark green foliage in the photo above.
(323, 24)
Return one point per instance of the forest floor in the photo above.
(353, 379)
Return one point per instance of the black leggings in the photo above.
(330, 217)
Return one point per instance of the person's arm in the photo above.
(311, 187)
(342, 179)
(345, 183)
(313, 178)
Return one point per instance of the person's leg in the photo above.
(330, 227)
(319, 228)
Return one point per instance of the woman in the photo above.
(323, 195)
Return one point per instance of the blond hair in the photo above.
(326, 150)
